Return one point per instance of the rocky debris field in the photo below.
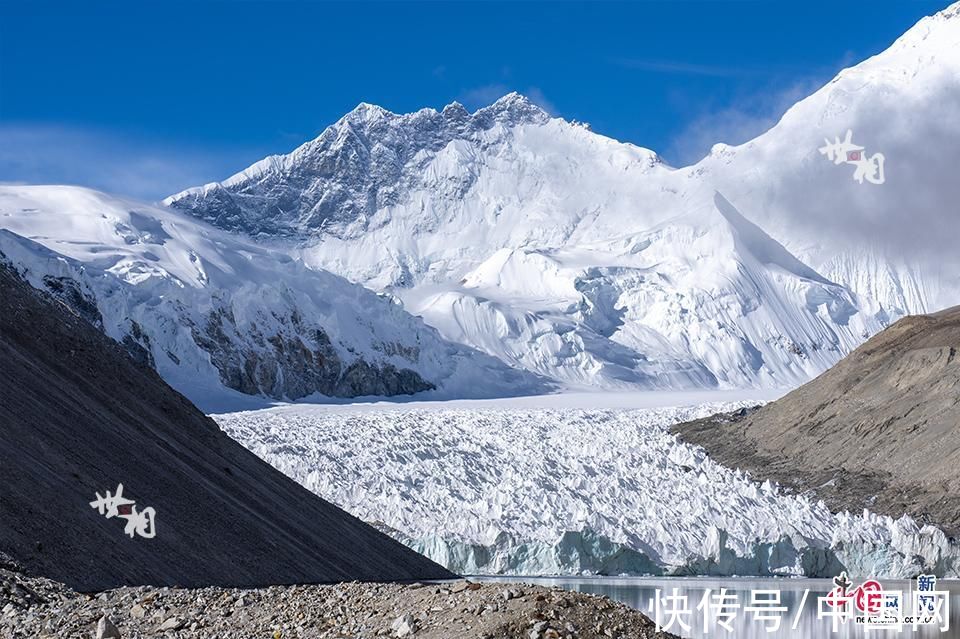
(31, 607)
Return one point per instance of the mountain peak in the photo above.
(455, 108)
(366, 112)
(513, 98)
(950, 12)
(514, 108)
(938, 32)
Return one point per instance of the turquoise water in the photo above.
(797, 622)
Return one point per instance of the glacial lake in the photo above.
(638, 592)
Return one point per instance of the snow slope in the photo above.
(893, 244)
(590, 261)
(546, 491)
(219, 316)
(530, 266)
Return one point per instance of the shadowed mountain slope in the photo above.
(78, 417)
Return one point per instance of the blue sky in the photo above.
(145, 98)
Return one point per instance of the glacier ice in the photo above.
(573, 491)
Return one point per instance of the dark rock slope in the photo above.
(78, 416)
(879, 430)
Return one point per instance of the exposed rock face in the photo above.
(881, 429)
(78, 416)
(281, 356)
(81, 299)
(137, 343)
(294, 360)
(368, 160)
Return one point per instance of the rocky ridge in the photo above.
(367, 160)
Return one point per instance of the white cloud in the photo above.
(479, 97)
(109, 161)
(735, 123)
(537, 97)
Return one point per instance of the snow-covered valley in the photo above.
(535, 490)
(444, 254)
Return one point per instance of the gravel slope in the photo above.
(78, 417)
(881, 429)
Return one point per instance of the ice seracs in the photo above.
(561, 491)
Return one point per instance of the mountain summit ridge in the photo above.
(591, 262)
(347, 171)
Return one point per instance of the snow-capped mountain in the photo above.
(365, 162)
(590, 261)
(219, 316)
(893, 244)
(538, 241)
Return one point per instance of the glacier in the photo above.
(449, 254)
(227, 322)
(495, 489)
